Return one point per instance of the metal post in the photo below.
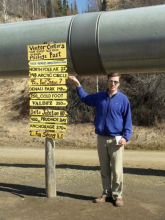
(97, 84)
(50, 168)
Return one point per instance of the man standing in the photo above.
(113, 121)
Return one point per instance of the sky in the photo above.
(81, 4)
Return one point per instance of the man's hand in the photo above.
(74, 80)
(122, 141)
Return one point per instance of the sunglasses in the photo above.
(111, 82)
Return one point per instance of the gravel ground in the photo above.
(22, 187)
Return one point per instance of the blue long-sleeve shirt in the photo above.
(113, 115)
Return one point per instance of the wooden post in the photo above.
(50, 168)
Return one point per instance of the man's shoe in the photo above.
(119, 202)
(102, 199)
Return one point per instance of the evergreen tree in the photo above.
(67, 6)
(75, 8)
(49, 9)
(71, 8)
(59, 3)
(64, 8)
(104, 5)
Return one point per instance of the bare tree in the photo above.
(5, 17)
(94, 5)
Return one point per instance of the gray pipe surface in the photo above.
(127, 41)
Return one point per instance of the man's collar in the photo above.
(110, 95)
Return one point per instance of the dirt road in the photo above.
(22, 186)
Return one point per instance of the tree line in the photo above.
(146, 93)
(36, 9)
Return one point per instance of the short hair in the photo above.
(112, 74)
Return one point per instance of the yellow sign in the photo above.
(48, 112)
(48, 95)
(37, 126)
(46, 134)
(48, 75)
(48, 62)
(47, 82)
(44, 119)
(47, 88)
(51, 103)
(47, 51)
(48, 69)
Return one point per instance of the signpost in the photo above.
(48, 95)
(48, 69)
(49, 103)
(47, 72)
(47, 88)
(47, 51)
(46, 134)
(42, 63)
(48, 112)
(47, 75)
(47, 82)
(48, 119)
(47, 127)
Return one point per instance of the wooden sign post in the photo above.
(47, 70)
(50, 176)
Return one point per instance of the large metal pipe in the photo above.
(128, 41)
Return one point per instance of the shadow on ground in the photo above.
(22, 191)
(128, 170)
